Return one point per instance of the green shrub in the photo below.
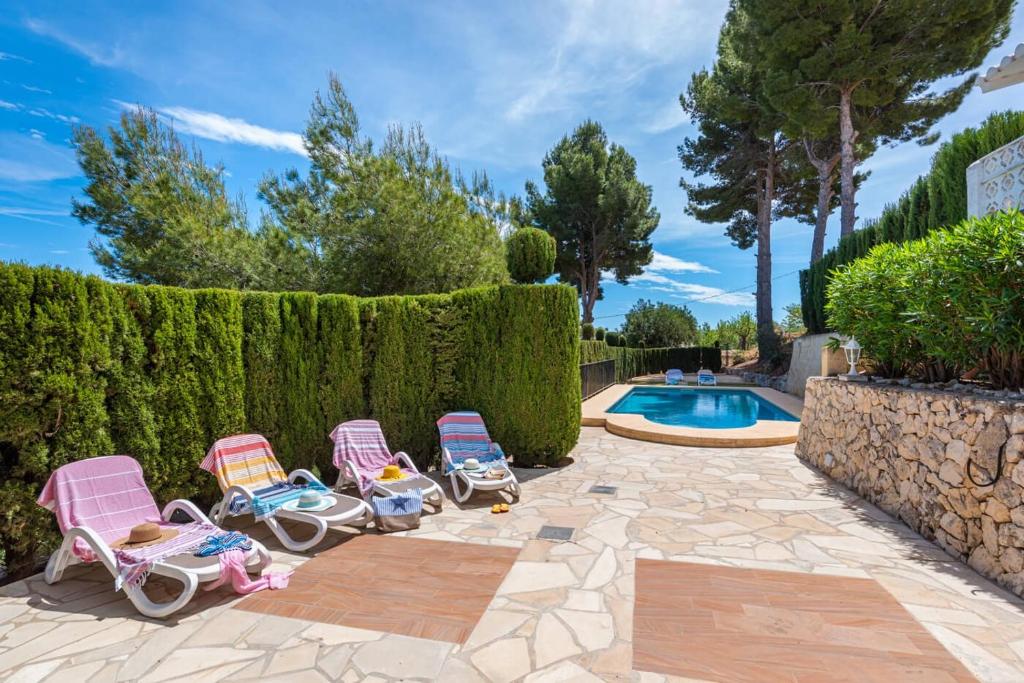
(613, 338)
(530, 253)
(935, 200)
(594, 351)
(941, 305)
(91, 368)
(587, 331)
(599, 334)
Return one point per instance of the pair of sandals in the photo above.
(499, 507)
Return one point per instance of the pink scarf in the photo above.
(232, 568)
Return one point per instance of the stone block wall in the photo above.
(907, 450)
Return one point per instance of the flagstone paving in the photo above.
(564, 611)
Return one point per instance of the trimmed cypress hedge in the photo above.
(935, 200)
(631, 363)
(92, 368)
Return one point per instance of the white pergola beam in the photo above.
(1009, 72)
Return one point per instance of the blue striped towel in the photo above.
(267, 500)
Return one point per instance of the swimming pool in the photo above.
(703, 408)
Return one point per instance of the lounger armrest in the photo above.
(95, 543)
(186, 506)
(349, 473)
(402, 458)
(303, 474)
(446, 456)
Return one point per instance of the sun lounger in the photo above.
(464, 436)
(361, 454)
(706, 378)
(674, 376)
(254, 483)
(97, 503)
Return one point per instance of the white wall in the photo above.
(812, 359)
(996, 181)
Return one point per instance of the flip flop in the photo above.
(495, 509)
(504, 507)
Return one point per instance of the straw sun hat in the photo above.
(144, 534)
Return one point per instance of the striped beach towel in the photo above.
(465, 436)
(247, 460)
(134, 565)
(106, 494)
(362, 442)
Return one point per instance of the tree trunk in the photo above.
(588, 295)
(765, 196)
(846, 163)
(825, 168)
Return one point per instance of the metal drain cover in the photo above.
(555, 533)
(607, 490)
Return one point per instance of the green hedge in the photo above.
(91, 368)
(936, 307)
(631, 362)
(935, 200)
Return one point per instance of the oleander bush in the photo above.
(90, 368)
(935, 200)
(937, 307)
(587, 331)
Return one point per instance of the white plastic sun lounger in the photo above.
(463, 436)
(706, 378)
(82, 539)
(363, 440)
(673, 376)
(249, 474)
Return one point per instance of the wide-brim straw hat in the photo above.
(141, 535)
(391, 473)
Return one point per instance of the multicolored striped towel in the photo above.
(362, 442)
(243, 460)
(465, 436)
(266, 501)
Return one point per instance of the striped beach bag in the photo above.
(398, 512)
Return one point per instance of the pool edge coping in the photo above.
(633, 426)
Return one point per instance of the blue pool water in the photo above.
(704, 408)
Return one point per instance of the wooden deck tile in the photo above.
(410, 586)
(729, 624)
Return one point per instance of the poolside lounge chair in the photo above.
(674, 376)
(706, 378)
(361, 454)
(253, 482)
(463, 436)
(98, 501)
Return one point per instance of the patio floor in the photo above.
(564, 610)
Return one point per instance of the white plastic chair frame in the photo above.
(256, 559)
(350, 474)
(470, 484)
(360, 515)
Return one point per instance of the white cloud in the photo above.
(212, 126)
(671, 264)
(35, 88)
(36, 134)
(665, 119)
(27, 159)
(25, 211)
(46, 113)
(4, 104)
(604, 46)
(97, 54)
(7, 56)
(59, 252)
(692, 292)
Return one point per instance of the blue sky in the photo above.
(495, 85)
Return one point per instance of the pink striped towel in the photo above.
(362, 442)
(106, 494)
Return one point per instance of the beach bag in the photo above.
(399, 512)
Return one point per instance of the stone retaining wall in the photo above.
(907, 450)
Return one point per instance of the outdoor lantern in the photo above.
(852, 349)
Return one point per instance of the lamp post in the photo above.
(852, 350)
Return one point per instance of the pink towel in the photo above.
(106, 494)
(362, 442)
(232, 568)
